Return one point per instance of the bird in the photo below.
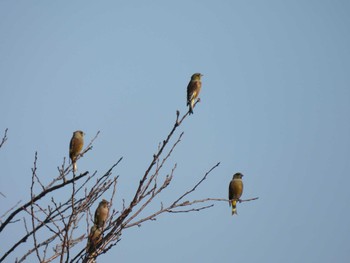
(235, 191)
(94, 238)
(75, 147)
(101, 214)
(193, 89)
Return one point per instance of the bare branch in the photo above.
(48, 241)
(64, 215)
(38, 197)
(194, 188)
(176, 204)
(8, 211)
(32, 207)
(4, 138)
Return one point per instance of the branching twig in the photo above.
(64, 215)
(8, 211)
(38, 197)
(32, 206)
(194, 188)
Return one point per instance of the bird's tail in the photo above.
(190, 103)
(75, 167)
(234, 209)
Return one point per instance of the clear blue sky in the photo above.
(275, 106)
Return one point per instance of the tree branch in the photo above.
(4, 138)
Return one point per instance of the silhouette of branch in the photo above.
(38, 197)
(44, 243)
(58, 213)
(32, 206)
(176, 203)
(9, 210)
(62, 216)
(194, 188)
(4, 138)
(148, 189)
(51, 188)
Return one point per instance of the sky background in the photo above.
(275, 105)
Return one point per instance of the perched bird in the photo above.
(193, 89)
(235, 191)
(101, 214)
(93, 239)
(75, 147)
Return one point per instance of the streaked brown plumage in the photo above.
(101, 214)
(235, 191)
(193, 89)
(93, 239)
(75, 147)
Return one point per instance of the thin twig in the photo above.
(32, 206)
(12, 208)
(4, 138)
(194, 188)
(41, 195)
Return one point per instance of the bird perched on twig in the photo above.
(235, 191)
(93, 239)
(193, 89)
(101, 214)
(75, 147)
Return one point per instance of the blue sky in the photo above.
(275, 105)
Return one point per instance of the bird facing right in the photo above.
(193, 89)
(235, 191)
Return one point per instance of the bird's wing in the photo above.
(230, 190)
(97, 213)
(192, 88)
(75, 145)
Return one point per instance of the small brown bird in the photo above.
(235, 191)
(75, 147)
(101, 214)
(93, 239)
(193, 89)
